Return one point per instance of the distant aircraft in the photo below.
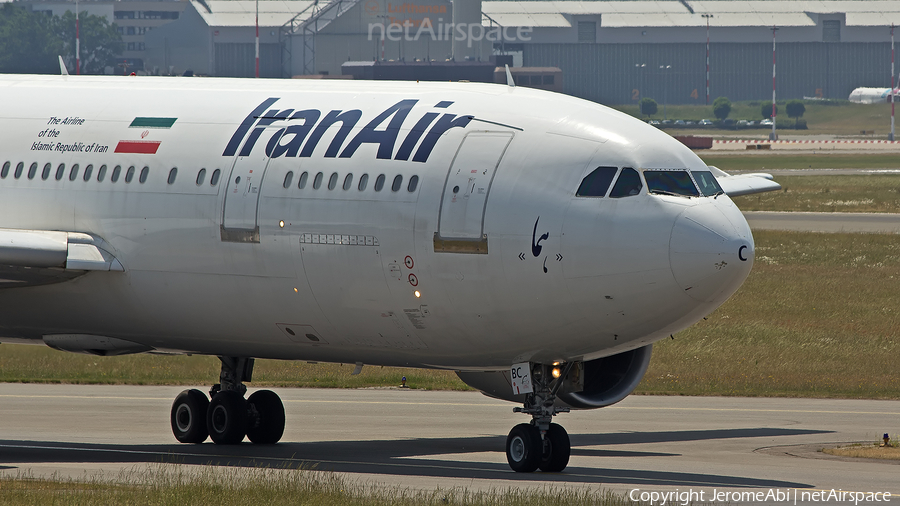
(536, 243)
(873, 95)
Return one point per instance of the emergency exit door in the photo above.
(468, 184)
(239, 218)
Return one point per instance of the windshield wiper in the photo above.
(666, 192)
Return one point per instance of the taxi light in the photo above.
(417, 294)
(556, 372)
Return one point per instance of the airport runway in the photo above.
(882, 223)
(427, 440)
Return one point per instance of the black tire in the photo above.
(556, 450)
(267, 417)
(524, 448)
(189, 417)
(227, 418)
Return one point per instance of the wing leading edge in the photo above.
(744, 184)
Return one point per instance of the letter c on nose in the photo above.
(741, 253)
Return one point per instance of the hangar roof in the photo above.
(615, 13)
(660, 13)
(272, 13)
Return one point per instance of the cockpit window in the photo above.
(628, 184)
(670, 182)
(597, 182)
(707, 182)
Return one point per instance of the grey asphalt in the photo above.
(425, 440)
(824, 222)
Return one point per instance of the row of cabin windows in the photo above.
(75, 169)
(361, 185)
(659, 182)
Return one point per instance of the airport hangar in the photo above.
(611, 52)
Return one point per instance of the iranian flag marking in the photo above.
(144, 147)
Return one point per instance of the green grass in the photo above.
(859, 194)
(841, 120)
(753, 162)
(819, 316)
(39, 364)
(175, 486)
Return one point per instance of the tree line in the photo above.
(31, 42)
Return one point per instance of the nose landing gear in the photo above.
(228, 417)
(540, 444)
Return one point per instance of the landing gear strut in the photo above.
(540, 444)
(228, 417)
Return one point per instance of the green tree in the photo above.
(795, 109)
(648, 106)
(27, 42)
(100, 41)
(722, 107)
(766, 110)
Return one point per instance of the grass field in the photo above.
(845, 119)
(868, 451)
(819, 316)
(174, 486)
(755, 162)
(853, 194)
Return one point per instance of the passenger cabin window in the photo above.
(413, 183)
(46, 172)
(707, 182)
(317, 182)
(597, 182)
(129, 175)
(398, 182)
(19, 168)
(73, 174)
(363, 181)
(379, 182)
(60, 171)
(303, 177)
(348, 182)
(670, 182)
(288, 179)
(88, 171)
(172, 175)
(117, 171)
(144, 173)
(201, 177)
(101, 174)
(332, 181)
(214, 179)
(628, 184)
(32, 170)
(5, 171)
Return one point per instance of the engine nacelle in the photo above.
(602, 382)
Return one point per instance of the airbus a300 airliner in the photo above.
(535, 243)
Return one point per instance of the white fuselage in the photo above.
(510, 267)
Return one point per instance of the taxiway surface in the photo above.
(426, 440)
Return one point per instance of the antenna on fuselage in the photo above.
(509, 79)
(62, 67)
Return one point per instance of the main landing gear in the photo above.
(228, 417)
(540, 444)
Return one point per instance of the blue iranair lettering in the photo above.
(239, 134)
(300, 140)
(384, 138)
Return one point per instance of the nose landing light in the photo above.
(711, 252)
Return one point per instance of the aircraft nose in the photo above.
(711, 251)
